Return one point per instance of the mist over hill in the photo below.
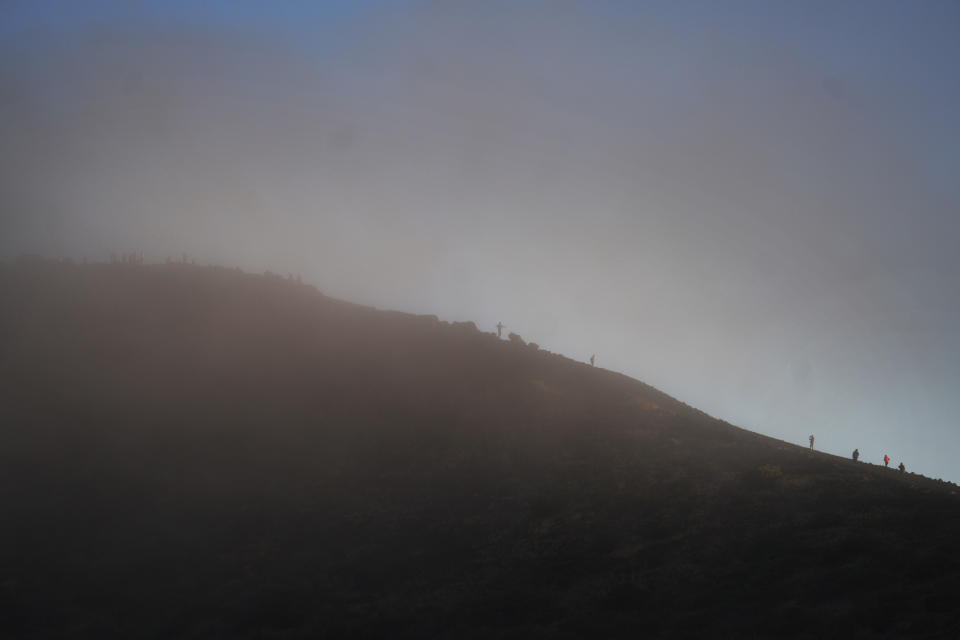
(200, 452)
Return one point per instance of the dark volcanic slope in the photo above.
(197, 452)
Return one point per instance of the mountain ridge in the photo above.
(283, 463)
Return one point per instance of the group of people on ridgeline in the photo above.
(856, 457)
(886, 460)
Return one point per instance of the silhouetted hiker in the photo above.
(886, 460)
(856, 454)
(811, 442)
(591, 359)
(902, 468)
(500, 326)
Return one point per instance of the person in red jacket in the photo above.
(886, 460)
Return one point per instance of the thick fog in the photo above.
(752, 206)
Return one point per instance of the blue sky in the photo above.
(751, 205)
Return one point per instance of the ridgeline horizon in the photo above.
(136, 258)
(196, 451)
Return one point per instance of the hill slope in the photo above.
(198, 452)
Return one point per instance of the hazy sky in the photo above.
(754, 206)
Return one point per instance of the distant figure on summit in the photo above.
(811, 442)
(500, 326)
(902, 468)
(886, 460)
(856, 454)
(591, 359)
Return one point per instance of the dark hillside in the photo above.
(199, 452)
